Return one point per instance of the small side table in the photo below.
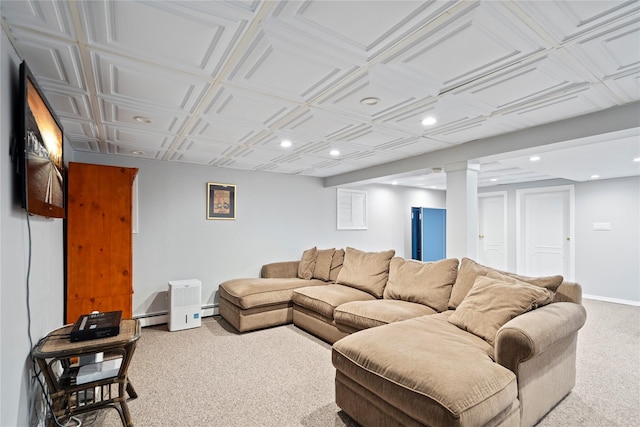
(58, 358)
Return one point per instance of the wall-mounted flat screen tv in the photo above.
(39, 147)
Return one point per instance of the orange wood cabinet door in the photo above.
(99, 240)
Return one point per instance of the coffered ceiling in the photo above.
(224, 83)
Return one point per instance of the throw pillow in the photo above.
(307, 263)
(427, 283)
(367, 271)
(470, 269)
(336, 265)
(323, 264)
(491, 303)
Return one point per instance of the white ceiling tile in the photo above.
(483, 38)
(120, 113)
(179, 35)
(134, 137)
(373, 137)
(412, 147)
(448, 110)
(531, 80)
(205, 147)
(52, 18)
(79, 129)
(248, 108)
(138, 150)
(84, 144)
(395, 85)
(215, 129)
(312, 124)
(458, 133)
(193, 158)
(139, 82)
(363, 28)
(236, 163)
(69, 104)
(612, 50)
(259, 155)
(564, 105)
(324, 168)
(346, 98)
(626, 87)
(280, 66)
(570, 19)
(54, 62)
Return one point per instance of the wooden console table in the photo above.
(58, 359)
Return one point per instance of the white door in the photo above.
(492, 229)
(545, 231)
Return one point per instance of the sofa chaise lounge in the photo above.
(446, 343)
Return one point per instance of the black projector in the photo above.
(96, 325)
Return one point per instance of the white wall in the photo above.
(607, 263)
(46, 275)
(277, 218)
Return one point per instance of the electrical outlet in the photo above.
(601, 226)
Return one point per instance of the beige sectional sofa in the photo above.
(448, 343)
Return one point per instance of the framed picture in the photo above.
(221, 201)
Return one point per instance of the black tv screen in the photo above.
(40, 145)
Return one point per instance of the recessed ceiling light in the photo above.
(142, 119)
(534, 158)
(334, 152)
(394, 182)
(637, 159)
(493, 179)
(595, 176)
(137, 152)
(369, 101)
(285, 143)
(428, 121)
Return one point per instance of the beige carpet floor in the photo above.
(213, 376)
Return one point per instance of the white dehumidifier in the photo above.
(184, 304)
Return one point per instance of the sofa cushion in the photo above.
(470, 269)
(325, 300)
(251, 293)
(429, 369)
(322, 268)
(336, 264)
(307, 263)
(492, 302)
(427, 283)
(367, 271)
(368, 314)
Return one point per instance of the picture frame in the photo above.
(221, 201)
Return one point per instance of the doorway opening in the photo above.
(428, 233)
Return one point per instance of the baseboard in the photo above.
(613, 300)
(162, 317)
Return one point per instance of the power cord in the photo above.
(36, 371)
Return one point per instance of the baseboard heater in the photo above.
(184, 304)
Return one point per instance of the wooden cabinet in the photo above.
(99, 240)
